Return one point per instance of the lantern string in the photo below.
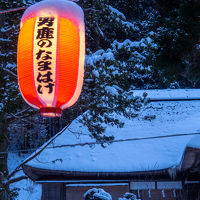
(13, 10)
(113, 141)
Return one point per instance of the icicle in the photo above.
(149, 193)
(138, 193)
(174, 192)
(172, 172)
(163, 193)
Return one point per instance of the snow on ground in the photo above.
(156, 119)
(27, 189)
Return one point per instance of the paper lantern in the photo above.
(51, 51)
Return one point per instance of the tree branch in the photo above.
(17, 116)
(13, 173)
(15, 180)
(23, 111)
(10, 73)
(18, 168)
(90, 9)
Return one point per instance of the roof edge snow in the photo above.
(38, 174)
(169, 94)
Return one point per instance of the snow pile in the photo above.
(26, 189)
(129, 196)
(97, 194)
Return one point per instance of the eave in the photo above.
(37, 174)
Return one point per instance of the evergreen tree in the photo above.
(6, 100)
(106, 91)
(126, 45)
(110, 60)
(176, 29)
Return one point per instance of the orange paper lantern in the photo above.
(51, 53)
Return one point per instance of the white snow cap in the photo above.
(63, 8)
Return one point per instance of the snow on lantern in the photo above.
(51, 53)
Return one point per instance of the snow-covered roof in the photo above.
(156, 119)
(170, 94)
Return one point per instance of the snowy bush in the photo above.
(97, 194)
(129, 196)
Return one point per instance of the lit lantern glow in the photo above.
(51, 53)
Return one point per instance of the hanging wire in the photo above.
(114, 141)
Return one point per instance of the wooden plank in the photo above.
(53, 191)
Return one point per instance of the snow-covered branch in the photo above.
(20, 115)
(100, 31)
(90, 9)
(10, 73)
(13, 173)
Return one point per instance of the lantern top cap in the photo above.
(63, 8)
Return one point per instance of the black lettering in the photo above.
(44, 43)
(44, 65)
(46, 78)
(45, 33)
(45, 57)
(48, 21)
(50, 86)
(39, 89)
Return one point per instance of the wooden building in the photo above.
(156, 155)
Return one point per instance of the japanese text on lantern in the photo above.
(45, 43)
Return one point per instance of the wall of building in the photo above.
(144, 190)
(191, 191)
(53, 191)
